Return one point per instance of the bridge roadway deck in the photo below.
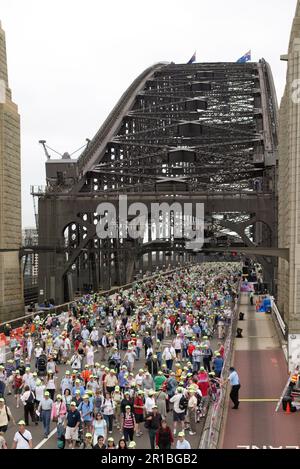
(262, 368)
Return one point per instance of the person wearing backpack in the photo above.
(28, 399)
(108, 408)
(128, 424)
(5, 416)
(180, 406)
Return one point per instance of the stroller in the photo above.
(42, 365)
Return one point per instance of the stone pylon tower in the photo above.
(289, 185)
(11, 285)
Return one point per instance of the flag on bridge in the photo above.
(192, 59)
(245, 58)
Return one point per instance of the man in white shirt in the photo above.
(85, 334)
(178, 414)
(22, 438)
(169, 355)
(38, 352)
(94, 337)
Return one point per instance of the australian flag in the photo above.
(245, 58)
(192, 59)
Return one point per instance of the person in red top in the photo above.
(164, 436)
(203, 385)
(76, 344)
(18, 385)
(86, 374)
(191, 348)
(133, 340)
(138, 407)
(221, 349)
(172, 320)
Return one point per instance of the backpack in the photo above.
(30, 399)
(183, 403)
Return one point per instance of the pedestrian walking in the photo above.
(22, 438)
(235, 387)
(44, 410)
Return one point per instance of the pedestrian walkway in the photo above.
(262, 368)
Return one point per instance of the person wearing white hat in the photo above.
(182, 443)
(29, 346)
(132, 445)
(22, 438)
(44, 408)
(5, 416)
(72, 425)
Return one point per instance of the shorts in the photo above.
(178, 416)
(3, 428)
(17, 391)
(139, 418)
(177, 350)
(71, 433)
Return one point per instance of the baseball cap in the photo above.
(21, 422)
(181, 434)
(47, 393)
(132, 444)
(73, 404)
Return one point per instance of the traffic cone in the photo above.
(288, 408)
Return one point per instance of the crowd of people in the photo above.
(139, 361)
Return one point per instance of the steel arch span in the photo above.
(201, 133)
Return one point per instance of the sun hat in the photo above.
(132, 444)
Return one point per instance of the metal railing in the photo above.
(215, 416)
(277, 314)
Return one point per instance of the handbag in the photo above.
(55, 418)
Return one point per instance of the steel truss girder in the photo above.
(220, 113)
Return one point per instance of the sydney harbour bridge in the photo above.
(202, 133)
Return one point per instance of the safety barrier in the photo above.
(278, 317)
(214, 419)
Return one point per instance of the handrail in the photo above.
(281, 322)
(213, 423)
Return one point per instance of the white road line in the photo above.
(45, 439)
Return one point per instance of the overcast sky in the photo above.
(70, 60)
